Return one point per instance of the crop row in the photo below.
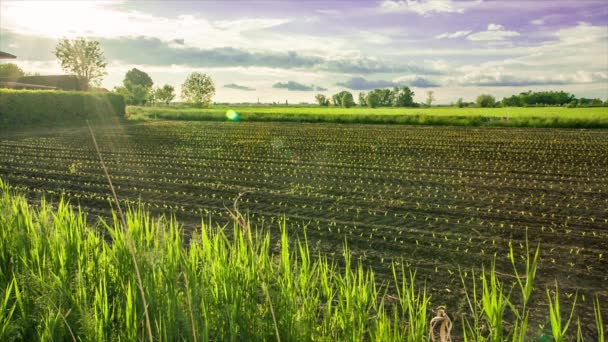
(431, 197)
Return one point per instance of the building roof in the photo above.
(18, 85)
(4, 55)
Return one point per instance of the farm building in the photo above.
(41, 82)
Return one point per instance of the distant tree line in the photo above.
(383, 97)
(533, 99)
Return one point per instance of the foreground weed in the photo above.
(599, 322)
(558, 327)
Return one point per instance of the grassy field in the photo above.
(498, 117)
(135, 278)
(439, 200)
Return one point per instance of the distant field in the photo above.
(499, 117)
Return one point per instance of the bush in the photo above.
(486, 101)
(43, 108)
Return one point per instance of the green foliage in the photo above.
(485, 101)
(63, 279)
(512, 101)
(59, 278)
(82, 57)
(550, 98)
(322, 100)
(584, 102)
(599, 322)
(362, 99)
(137, 87)
(373, 99)
(198, 89)
(402, 97)
(558, 327)
(475, 117)
(347, 100)
(164, 95)
(125, 94)
(336, 99)
(460, 103)
(385, 97)
(429, 98)
(10, 70)
(137, 77)
(42, 108)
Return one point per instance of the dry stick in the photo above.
(63, 317)
(445, 328)
(129, 241)
(238, 217)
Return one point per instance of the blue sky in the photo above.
(280, 50)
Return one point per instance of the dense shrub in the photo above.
(485, 100)
(61, 82)
(43, 108)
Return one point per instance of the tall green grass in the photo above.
(64, 279)
(491, 117)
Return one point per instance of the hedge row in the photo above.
(46, 108)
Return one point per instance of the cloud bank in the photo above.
(360, 83)
(238, 87)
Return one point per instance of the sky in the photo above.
(283, 50)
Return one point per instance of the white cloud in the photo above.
(583, 33)
(538, 21)
(494, 32)
(248, 24)
(456, 34)
(106, 19)
(424, 7)
(502, 76)
(495, 27)
(546, 19)
(550, 64)
(328, 11)
(440, 65)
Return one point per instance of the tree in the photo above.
(138, 77)
(139, 84)
(459, 103)
(347, 99)
(403, 97)
(82, 57)
(125, 93)
(373, 99)
(336, 99)
(486, 100)
(322, 100)
(386, 97)
(362, 100)
(429, 98)
(165, 94)
(198, 89)
(11, 70)
(513, 101)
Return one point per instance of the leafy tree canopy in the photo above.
(198, 89)
(11, 70)
(83, 58)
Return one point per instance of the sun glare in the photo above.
(62, 18)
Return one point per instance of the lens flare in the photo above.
(232, 115)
